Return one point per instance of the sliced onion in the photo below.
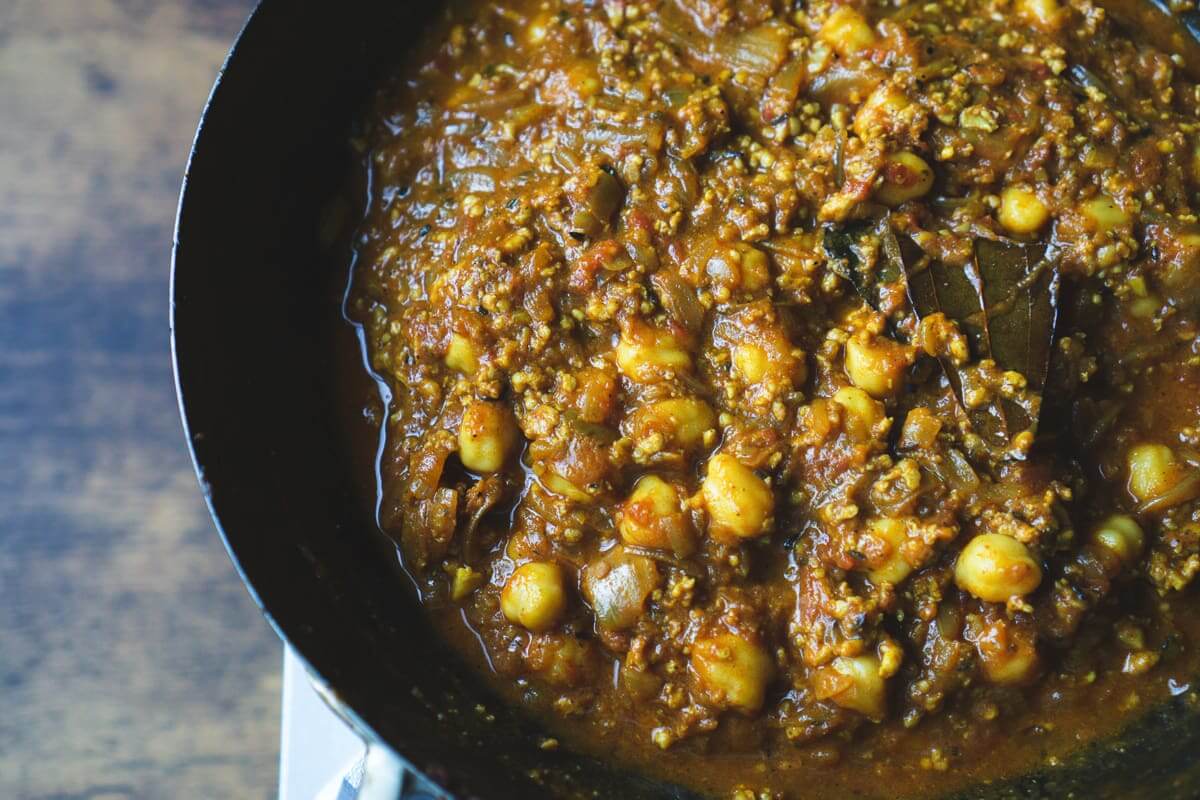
(1184, 490)
(960, 474)
(759, 51)
(679, 300)
(617, 585)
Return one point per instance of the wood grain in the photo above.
(133, 664)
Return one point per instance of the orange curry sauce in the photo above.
(794, 399)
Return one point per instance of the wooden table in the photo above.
(132, 662)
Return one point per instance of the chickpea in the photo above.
(1153, 470)
(860, 412)
(884, 561)
(462, 354)
(1044, 14)
(732, 671)
(1007, 653)
(846, 31)
(995, 567)
(768, 361)
(1121, 535)
(854, 683)
(657, 496)
(1104, 213)
(1022, 211)
(681, 421)
(756, 267)
(645, 353)
(739, 266)
(1011, 668)
(652, 517)
(876, 364)
(486, 436)
(906, 176)
(535, 596)
(739, 503)
(751, 362)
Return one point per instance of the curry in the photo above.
(794, 399)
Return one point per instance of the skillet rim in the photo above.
(317, 677)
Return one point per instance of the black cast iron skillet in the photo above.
(254, 312)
